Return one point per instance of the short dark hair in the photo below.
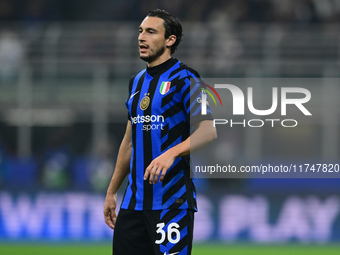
(171, 24)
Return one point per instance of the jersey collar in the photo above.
(162, 67)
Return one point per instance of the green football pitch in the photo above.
(199, 249)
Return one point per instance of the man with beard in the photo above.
(157, 211)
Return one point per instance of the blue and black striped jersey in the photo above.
(161, 104)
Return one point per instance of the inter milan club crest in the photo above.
(165, 87)
(144, 104)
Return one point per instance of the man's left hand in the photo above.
(158, 167)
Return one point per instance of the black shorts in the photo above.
(153, 232)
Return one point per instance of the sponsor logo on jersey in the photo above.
(147, 118)
(150, 122)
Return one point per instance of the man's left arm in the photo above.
(204, 134)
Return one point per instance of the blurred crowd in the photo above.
(190, 10)
(57, 165)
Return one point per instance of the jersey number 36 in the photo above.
(172, 229)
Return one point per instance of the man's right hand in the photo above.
(110, 215)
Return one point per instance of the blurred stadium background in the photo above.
(64, 70)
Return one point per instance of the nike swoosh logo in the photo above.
(134, 94)
(171, 253)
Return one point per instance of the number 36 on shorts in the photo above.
(171, 233)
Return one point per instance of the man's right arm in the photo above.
(121, 171)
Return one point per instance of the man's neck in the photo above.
(159, 60)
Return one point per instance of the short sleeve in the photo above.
(195, 98)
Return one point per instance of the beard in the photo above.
(153, 55)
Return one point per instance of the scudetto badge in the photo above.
(144, 104)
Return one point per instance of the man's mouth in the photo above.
(143, 48)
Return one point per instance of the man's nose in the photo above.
(141, 36)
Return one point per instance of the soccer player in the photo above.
(157, 211)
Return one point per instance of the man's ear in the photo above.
(171, 40)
